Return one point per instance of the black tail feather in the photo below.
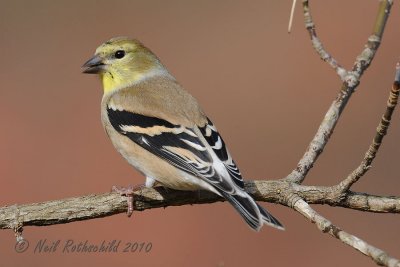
(254, 215)
(269, 219)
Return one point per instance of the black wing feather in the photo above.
(158, 145)
(201, 165)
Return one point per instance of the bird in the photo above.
(161, 130)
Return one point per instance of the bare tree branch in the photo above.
(371, 203)
(352, 80)
(317, 44)
(334, 196)
(97, 206)
(325, 226)
(381, 131)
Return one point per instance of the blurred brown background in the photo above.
(266, 90)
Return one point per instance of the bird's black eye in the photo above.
(119, 54)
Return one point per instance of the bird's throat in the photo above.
(114, 81)
(109, 82)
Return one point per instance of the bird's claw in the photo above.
(127, 192)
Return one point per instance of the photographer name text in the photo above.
(44, 246)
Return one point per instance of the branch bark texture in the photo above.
(108, 204)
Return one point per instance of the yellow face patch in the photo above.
(136, 63)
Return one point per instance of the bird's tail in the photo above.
(252, 213)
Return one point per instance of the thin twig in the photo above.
(352, 80)
(291, 15)
(317, 44)
(381, 131)
(325, 226)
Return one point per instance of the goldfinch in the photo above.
(160, 129)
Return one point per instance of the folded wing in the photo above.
(199, 151)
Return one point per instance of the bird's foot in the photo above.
(127, 192)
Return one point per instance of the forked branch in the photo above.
(350, 83)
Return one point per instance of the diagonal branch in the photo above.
(352, 80)
(381, 131)
(325, 226)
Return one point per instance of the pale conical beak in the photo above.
(94, 65)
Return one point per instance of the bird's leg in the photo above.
(128, 192)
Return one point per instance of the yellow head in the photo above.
(122, 62)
